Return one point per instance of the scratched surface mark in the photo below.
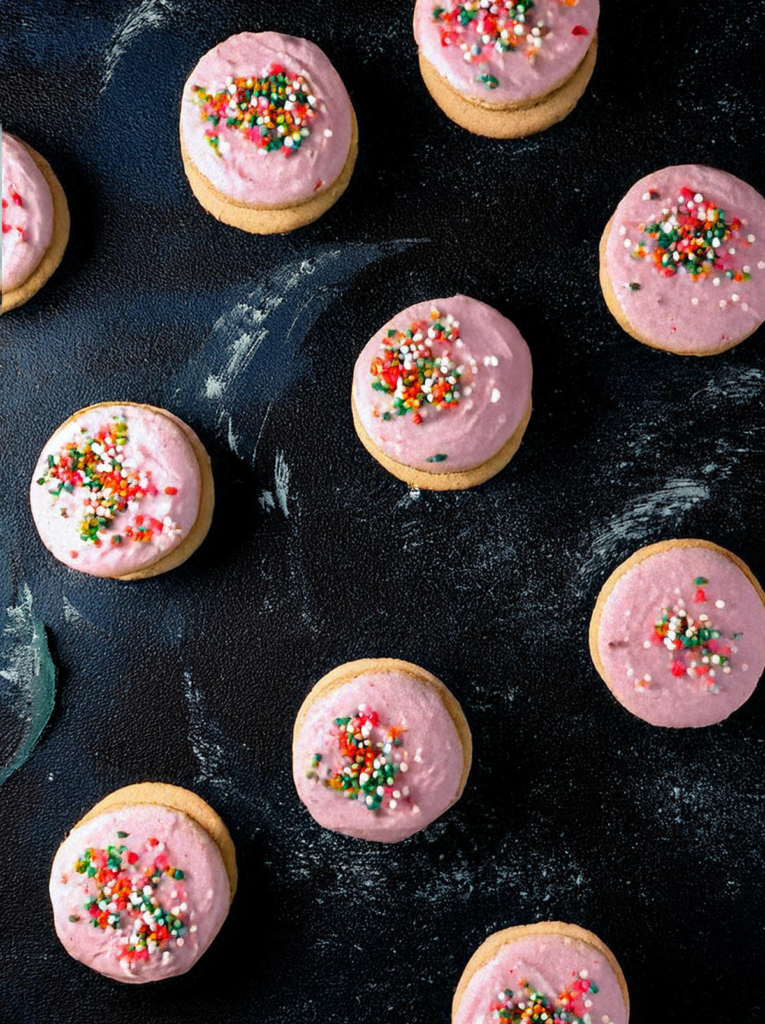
(574, 809)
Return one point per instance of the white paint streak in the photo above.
(282, 482)
(148, 14)
(24, 659)
(260, 432)
(71, 614)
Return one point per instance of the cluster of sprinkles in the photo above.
(369, 771)
(693, 235)
(697, 649)
(479, 27)
(119, 896)
(274, 112)
(417, 368)
(98, 466)
(528, 1005)
(17, 201)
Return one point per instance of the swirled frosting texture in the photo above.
(493, 389)
(27, 214)
(116, 489)
(461, 42)
(669, 672)
(139, 893)
(550, 964)
(238, 167)
(430, 748)
(685, 312)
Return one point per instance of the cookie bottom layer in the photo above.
(458, 481)
(509, 120)
(260, 220)
(615, 307)
(55, 251)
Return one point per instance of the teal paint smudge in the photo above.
(27, 684)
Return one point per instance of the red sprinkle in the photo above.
(171, 490)
(579, 30)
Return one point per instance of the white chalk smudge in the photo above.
(147, 14)
(209, 744)
(734, 385)
(675, 497)
(266, 501)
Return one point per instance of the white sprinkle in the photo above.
(495, 395)
(719, 604)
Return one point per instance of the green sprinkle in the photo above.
(437, 458)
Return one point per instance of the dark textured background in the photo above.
(574, 810)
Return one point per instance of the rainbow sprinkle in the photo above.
(98, 466)
(690, 235)
(121, 893)
(697, 649)
(369, 769)
(479, 27)
(273, 112)
(417, 367)
(17, 201)
(528, 1005)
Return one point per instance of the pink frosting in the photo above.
(156, 837)
(430, 756)
(157, 458)
(555, 38)
(27, 214)
(680, 313)
(494, 390)
(550, 964)
(241, 169)
(639, 665)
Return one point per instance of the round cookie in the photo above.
(548, 971)
(510, 68)
(142, 884)
(442, 393)
(35, 222)
(268, 134)
(380, 749)
(678, 633)
(682, 260)
(123, 490)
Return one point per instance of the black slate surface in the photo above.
(574, 810)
